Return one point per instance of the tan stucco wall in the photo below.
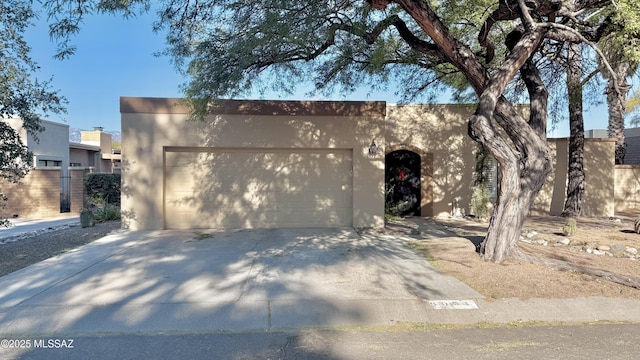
(441, 132)
(627, 185)
(149, 125)
(97, 138)
(599, 166)
(438, 133)
(52, 143)
(85, 157)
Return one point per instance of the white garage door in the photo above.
(257, 188)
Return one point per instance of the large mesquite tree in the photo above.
(232, 47)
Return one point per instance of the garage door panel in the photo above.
(256, 188)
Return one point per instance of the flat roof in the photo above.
(148, 105)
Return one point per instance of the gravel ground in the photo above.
(26, 251)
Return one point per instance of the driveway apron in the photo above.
(225, 280)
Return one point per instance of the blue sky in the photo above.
(115, 58)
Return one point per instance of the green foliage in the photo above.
(87, 219)
(570, 227)
(480, 202)
(102, 189)
(633, 108)
(21, 94)
(108, 212)
(636, 225)
(627, 18)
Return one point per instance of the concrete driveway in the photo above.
(227, 280)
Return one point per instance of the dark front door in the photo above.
(402, 183)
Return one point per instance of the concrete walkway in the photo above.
(27, 227)
(154, 281)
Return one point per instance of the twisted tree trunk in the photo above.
(519, 147)
(575, 187)
(617, 109)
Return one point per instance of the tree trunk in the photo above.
(520, 186)
(518, 147)
(617, 110)
(575, 187)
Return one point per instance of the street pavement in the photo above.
(197, 286)
(611, 341)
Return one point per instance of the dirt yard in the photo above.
(23, 252)
(601, 244)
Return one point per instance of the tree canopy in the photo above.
(478, 48)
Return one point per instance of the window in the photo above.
(48, 163)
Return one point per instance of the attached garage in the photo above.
(257, 188)
(252, 164)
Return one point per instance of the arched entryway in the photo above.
(403, 185)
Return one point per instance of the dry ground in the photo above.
(30, 250)
(457, 256)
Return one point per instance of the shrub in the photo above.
(480, 203)
(570, 227)
(107, 213)
(636, 225)
(102, 189)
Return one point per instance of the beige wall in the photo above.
(149, 125)
(77, 189)
(627, 184)
(97, 138)
(36, 196)
(440, 132)
(52, 143)
(83, 156)
(599, 168)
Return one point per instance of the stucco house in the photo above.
(55, 184)
(95, 151)
(263, 164)
(45, 192)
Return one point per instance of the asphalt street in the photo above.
(609, 341)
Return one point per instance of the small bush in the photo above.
(102, 189)
(480, 203)
(636, 225)
(107, 213)
(570, 227)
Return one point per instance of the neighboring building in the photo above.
(54, 185)
(46, 191)
(632, 139)
(95, 151)
(51, 148)
(314, 163)
(596, 134)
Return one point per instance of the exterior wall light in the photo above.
(373, 148)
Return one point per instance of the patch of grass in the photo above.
(198, 236)
(391, 217)
(616, 238)
(421, 248)
(402, 326)
(108, 212)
